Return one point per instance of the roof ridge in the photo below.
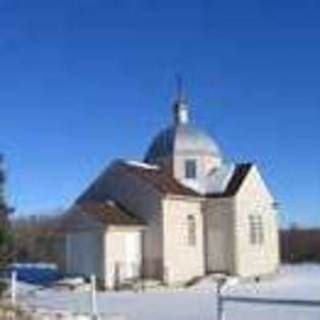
(161, 180)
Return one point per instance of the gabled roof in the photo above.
(111, 213)
(167, 184)
(107, 213)
(240, 173)
(160, 179)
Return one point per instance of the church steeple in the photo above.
(180, 107)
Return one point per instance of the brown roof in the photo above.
(110, 213)
(161, 180)
(235, 182)
(167, 184)
(164, 182)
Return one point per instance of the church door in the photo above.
(133, 254)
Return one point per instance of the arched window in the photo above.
(256, 233)
(190, 168)
(191, 230)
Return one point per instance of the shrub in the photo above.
(3, 288)
(8, 312)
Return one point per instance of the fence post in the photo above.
(94, 307)
(13, 294)
(220, 306)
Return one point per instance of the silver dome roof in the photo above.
(181, 138)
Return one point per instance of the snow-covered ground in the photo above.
(198, 302)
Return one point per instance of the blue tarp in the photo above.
(36, 275)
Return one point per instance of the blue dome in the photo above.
(179, 139)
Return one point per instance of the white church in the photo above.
(182, 213)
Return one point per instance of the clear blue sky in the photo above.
(83, 82)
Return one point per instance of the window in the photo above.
(190, 169)
(256, 229)
(191, 230)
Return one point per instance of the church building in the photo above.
(183, 212)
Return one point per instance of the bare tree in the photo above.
(5, 230)
(36, 235)
(300, 244)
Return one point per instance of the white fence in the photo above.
(224, 300)
(226, 307)
(42, 313)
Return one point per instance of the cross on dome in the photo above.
(180, 107)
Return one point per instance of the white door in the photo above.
(133, 254)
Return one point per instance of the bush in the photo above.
(3, 288)
(10, 312)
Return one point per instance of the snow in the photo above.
(199, 301)
(142, 165)
(51, 266)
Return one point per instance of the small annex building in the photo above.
(182, 212)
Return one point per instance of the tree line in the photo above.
(36, 237)
(39, 238)
(300, 245)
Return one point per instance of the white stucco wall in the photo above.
(182, 262)
(85, 253)
(111, 253)
(122, 255)
(255, 198)
(205, 163)
(143, 200)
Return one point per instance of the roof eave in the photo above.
(111, 227)
(184, 197)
